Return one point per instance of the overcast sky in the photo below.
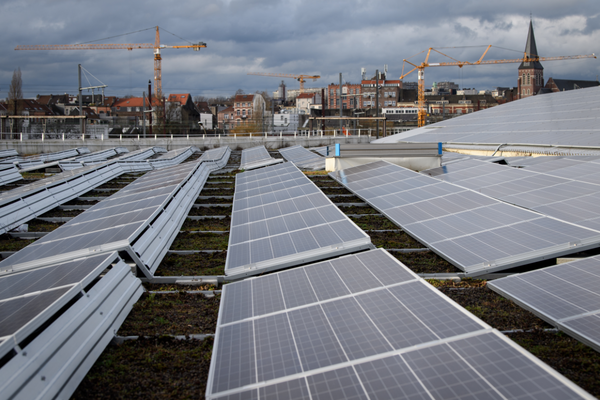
(287, 36)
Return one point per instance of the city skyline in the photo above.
(292, 37)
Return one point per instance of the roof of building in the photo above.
(203, 107)
(135, 102)
(571, 84)
(531, 51)
(243, 97)
(306, 95)
(181, 98)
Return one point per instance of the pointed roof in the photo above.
(531, 50)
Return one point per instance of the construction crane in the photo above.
(421, 70)
(126, 46)
(299, 78)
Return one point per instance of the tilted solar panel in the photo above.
(566, 296)
(364, 325)
(280, 218)
(476, 233)
(303, 158)
(257, 157)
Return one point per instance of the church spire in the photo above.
(531, 50)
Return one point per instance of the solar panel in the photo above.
(562, 188)
(257, 157)
(303, 158)
(393, 336)
(476, 233)
(566, 295)
(280, 218)
(564, 118)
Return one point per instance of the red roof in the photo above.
(306, 95)
(180, 98)
(243, 97)
(136, 102)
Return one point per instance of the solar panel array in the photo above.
(130, 220)
(63, 298)
(91, 158)
(56, 319)
(566, 295)
(257, 157)
(40, 159)
(476, 233)
(564, 118)
(8, 153)
(303, 158)
(364, 326)
(280, 218)
(566, 189)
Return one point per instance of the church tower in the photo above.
(531, 74)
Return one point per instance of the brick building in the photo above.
(531, 74)
(350, 96)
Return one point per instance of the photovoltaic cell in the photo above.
(476, 233)
(400, 338)
(566, 295)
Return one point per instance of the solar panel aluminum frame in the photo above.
(55, 362)
(501, 264)
(299, 258)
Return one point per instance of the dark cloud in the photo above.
(284, 36)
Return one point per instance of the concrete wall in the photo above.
(236, 143)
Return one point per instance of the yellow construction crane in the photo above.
(421, 70)
(126, 46)
(299, 78)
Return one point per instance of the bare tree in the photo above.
(15, 91)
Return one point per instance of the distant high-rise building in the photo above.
(531, 74)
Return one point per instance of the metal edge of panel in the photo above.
(298, 259)
(130, 292)
(64, 257)
(40, 367)
(533, 256)
(588, 341)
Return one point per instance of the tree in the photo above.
(15, 91)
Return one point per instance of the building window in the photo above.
(528, 79)
(238, 112)
(244, 113)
